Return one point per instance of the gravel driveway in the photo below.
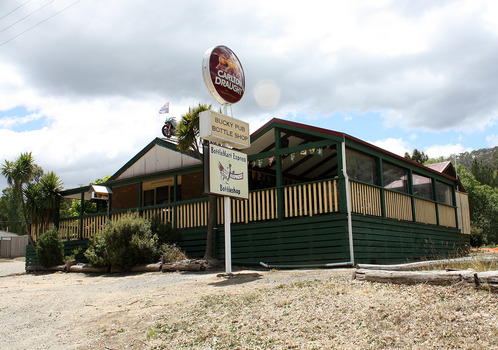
(81, 311)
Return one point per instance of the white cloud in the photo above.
(437, 151)
(396, 146)
(98, 72)
(492, 140)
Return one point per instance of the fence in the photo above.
(367, 200)
(13, 247)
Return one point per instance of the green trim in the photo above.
(82, 213)
(278, 171)
(140, 194)
(76, 190)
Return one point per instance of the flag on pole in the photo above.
(164, 109)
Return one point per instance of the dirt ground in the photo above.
(287, 309)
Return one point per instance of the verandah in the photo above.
(325, 197)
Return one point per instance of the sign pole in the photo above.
(228, 243)
(225, 81)
(228, 220)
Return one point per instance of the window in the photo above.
(395, 177)
(422, 187)
(148, 197)
(162, 194)
(444, 193)
(161, 191)
(361, 167)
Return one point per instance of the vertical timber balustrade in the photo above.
(311, 199)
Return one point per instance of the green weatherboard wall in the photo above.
(384, 241)
(316, 241)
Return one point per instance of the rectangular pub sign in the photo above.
(227, 172)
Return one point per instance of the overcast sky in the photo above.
(81, 82)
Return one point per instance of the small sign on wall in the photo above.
(227, 169)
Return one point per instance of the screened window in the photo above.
(161, 191)
(444, 193)
(361, 167)
(395, 177)
(162, 194)
(149, 197)
(422, 187)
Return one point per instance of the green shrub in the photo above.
(97, 252)
(172, 253)
(50, 249)
(164, 231)
(124, 244)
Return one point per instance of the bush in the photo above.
(172, 253)
(50, 249)
(124, 244)
(164, 231)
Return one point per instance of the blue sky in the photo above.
(82, 82)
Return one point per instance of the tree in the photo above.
(484, 173)
(43, 199)
(483, 206)
(18, 173)
(188, 140)
(11, 218)
(417, 156)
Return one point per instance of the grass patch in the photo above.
(479, 262)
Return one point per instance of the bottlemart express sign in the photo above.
(227, 172)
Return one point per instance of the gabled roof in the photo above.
(159, 155)
(447, 168)
(443, 167)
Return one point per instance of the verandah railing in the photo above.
(307, 199)
(300, 200)
(367, 200)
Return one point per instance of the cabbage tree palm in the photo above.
(18, 173)
(43, 199)
(51, 187)
(187, 132)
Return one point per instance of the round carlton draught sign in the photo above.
(223, 75)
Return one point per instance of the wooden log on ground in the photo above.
(146, 268)
(39, 268)
(488, 280)
(184, 265)
(87, 269)
(425, 264)
(414, 277)
(70, 263)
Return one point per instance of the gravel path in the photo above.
(79, 311)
